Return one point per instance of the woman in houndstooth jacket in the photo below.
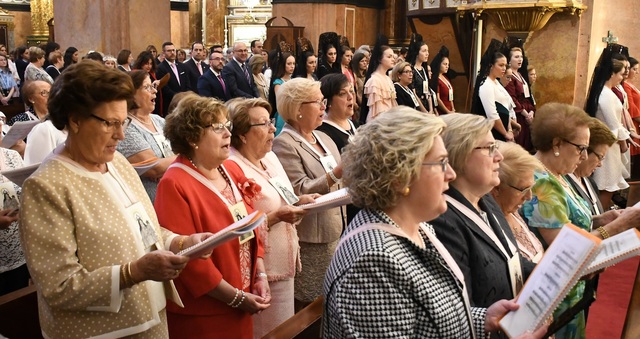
(391, 276)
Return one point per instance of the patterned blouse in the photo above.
(383, 286)
(11, 255)
(554, 204)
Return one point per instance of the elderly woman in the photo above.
(35, 94)
(340, 96)
(13, 268)
(108, 262)
(257, 63)
(144, 139)
(199, 193)
(419, 290)
(474, 229)
(516, 179)
(600, 139)
(560, 133)
(251, 140)
(402, 76)
(147, 62)
(34, 70)
(311, 161)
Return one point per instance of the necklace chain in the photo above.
(150, 122)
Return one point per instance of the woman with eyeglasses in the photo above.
(147, 61)
(516, 180)
(251, 141)
(203, 191)
(402, 75)
(35, 94)
(560, 134)
(144, 140)
(312, 162)
(474, 229)
(102, 263)
(391, 275)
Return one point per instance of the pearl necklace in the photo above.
(224, 175)
(557, 176)
(149, 123)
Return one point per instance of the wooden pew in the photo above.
(309, 319)
(19, 314)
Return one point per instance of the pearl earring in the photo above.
(300, 116)
(556, 153)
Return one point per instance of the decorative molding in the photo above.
(378, 4)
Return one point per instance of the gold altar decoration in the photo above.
(41, 13)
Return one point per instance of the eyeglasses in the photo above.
(216, 59)
(44, 93)
(522, 191)
(220, 127)
(113, 125)
(267, 124)
(581, 148)
(407, 71)
(443, 164)
(150, 87)
(599, 156)
(321, 103)
(492, 148)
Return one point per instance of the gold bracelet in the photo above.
(123, 278)
(133, 282)
(181, 243)
(603, 232)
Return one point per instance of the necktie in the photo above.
(175, 71)
(199, 67)
(246, 73)
(224, 88)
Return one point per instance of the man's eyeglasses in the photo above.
(44, 93)
(220, 127)
(443, 164)
(599, 156)
(492, 148)
(522, 191)
(113, 125)
(321, 103)
(581, 148)
(267, 124)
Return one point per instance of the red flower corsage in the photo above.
(250, 189)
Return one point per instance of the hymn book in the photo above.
(562, 265)
(615, 249)
(330, 200)
(235, 230)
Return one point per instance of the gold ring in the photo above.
(177, 272)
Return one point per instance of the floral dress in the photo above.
(552, 206)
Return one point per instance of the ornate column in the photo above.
(41, 13)
(394, 22)
(215, 24)
(195, 20)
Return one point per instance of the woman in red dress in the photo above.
(202, 191)
(520, 93)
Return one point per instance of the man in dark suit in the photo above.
(195, 66)
(237, 74)
(211, 83)
(179, 79)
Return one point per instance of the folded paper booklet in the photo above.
(17, 132)
(235, 230)
(615, 249)
(562, 265)
(337, 198)
(143, 166)
(18, 176)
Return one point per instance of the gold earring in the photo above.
(406, 191)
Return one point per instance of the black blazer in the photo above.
(236, 81)
(192, 70)
(172, 87)
(485, 269)
(21, 66)
(578, 188)
(403, 98)
(52, 71)
(209, 86)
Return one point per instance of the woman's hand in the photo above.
(5, 101)
(192, 240)
(606, 217)
(261, 289)
(623, 146)
(254, 303)
(158, 266)
(509, 136)
(498, 310)
(290, 214)
(307, 198)
(7, 217)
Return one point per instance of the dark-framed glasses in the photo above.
(321, 103)
(598, 155)
(581, 148)
(114, 124)
(522, 191)
(267, 124)
(442, 163)
(220, 127)
(492, 148)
